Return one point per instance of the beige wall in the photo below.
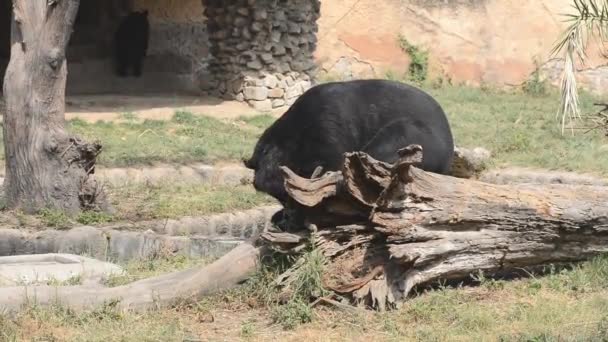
(471, 41)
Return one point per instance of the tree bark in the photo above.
(45, 165)
(388, 228)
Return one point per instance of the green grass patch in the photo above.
(173, 200)
(140, 269)
(520, 128)
(185, 138)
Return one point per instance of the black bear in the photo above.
(131, 43)
(378, 117)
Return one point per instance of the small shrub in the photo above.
(8, 329)
(54, 218)
(93, 217)
(182, 117)
(247, 329)
(309, 283)
(535, 86)
(292, 314)
(71, 281)
(419, 64)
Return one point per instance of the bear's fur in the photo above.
(378, 117)
(131, 43)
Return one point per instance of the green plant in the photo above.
(54, 218)
(418, 68)
(292, 314)
(247, 329)
(93, 217)
(182, 117)
(535, 86)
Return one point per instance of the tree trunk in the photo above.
(386, 229)
(45, 166)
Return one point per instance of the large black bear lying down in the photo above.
(131, 43)
(377, 117)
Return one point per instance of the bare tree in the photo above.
(45, 165)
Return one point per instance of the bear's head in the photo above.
(269, 154)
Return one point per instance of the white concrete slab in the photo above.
(52, 268)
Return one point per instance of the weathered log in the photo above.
(385, 229)
(388, 228)
(162, 291)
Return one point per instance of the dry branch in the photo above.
(388, 228)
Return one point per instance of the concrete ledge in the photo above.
(196, 237)
(43, 268)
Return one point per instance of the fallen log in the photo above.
(386, 229)
(383, 229)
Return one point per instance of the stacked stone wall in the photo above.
(262, 50)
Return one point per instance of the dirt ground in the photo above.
(92, 108)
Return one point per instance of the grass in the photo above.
(139, 201)
(173, 200)
(185, 138)
(564, 305)
(140, 269)
(520, 128)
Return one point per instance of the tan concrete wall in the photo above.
(471, 41)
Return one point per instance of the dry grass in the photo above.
(567, 305)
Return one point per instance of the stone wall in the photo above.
(179, 42)
(262, 51)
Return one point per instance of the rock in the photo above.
(240, 97)
(244, 11)
(294, 28)
(260, 14)
(236, 86)
(278, 50)
(246, 33)
(293, 91)
(255, 65)
(289, 81)
(278, 103)
(262, 106)
(305, 85)
(256, 27)
(266, 58)
(270, 81)
(275, 36)
(253, 81)
(280, 16)
(276, 93)
(240, 22)
(255, 93)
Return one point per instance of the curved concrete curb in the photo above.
(531, 176)
(198, 237)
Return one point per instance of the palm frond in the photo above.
(590, 20)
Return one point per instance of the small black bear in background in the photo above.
(131, 43)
